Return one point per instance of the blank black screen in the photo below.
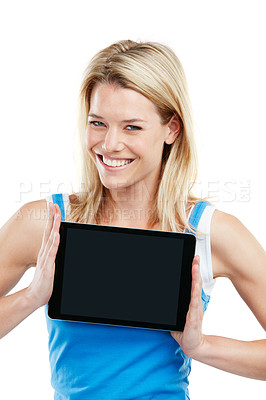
(121, 276)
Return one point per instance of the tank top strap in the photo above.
(206, 269)
(196, 214)
(62, 199)
(58, 199)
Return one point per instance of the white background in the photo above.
(45, 46)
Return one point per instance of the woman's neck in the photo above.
(129, 207)
(128, 213)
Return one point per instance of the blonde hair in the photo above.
(153, 70)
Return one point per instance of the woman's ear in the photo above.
(174, 127)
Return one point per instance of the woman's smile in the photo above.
(113, 165)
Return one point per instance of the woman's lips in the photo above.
(110, 168)
(114, 158)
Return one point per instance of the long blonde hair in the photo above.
(153, 70)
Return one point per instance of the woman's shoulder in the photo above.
(33, 214)
(21, 236)
(224, 224)
(229, 239)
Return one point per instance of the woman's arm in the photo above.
(247, 359)
(23, 243)
(237, 255)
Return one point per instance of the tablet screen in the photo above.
(127, 275)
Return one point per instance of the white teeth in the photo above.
(115, 163)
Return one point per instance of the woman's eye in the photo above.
(101, 124)
(133, 127)
(96, 123)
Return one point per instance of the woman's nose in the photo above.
(112, 141)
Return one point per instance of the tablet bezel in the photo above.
(54, 303)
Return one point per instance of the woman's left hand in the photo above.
(192, 339)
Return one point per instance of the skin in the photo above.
(131, 189)
(134, 187)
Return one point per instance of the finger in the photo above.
(48, 226)
(55, 228)
(49, 264)
(52, 250)
(192, 318)
(196, 284)
(196, 260)
(196, 276)
(195, 307)
(53, 224)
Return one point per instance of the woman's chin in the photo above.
(115, 184)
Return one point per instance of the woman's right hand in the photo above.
(41, 287)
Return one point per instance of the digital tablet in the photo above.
(122, 276)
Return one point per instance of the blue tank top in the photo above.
(94, 361)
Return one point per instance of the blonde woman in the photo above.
(138, 163)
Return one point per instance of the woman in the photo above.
(138, 163)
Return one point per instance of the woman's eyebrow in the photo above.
(133, 120)
(125, 120)
(95, 116)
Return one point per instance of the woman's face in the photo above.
(125, 131)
